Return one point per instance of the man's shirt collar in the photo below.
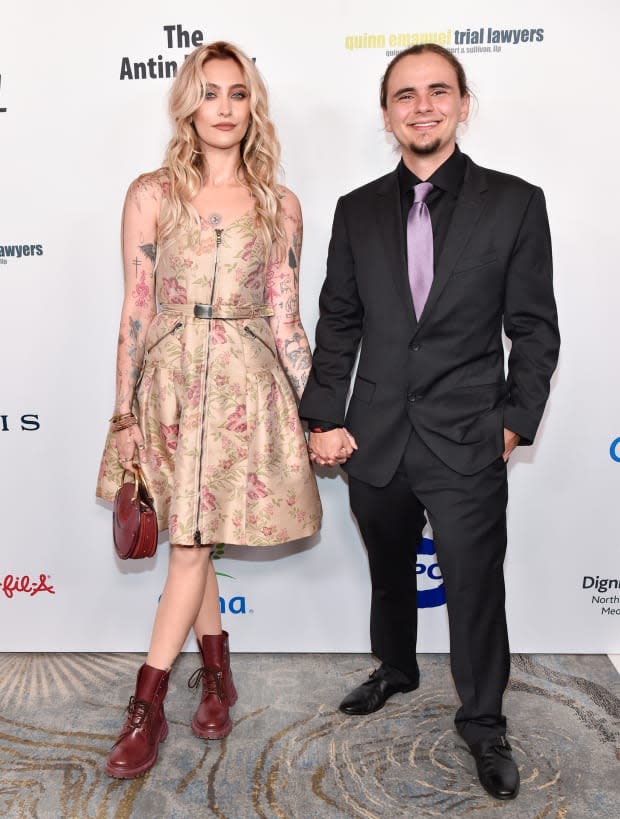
(448, 176)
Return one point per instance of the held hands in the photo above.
(337, 446)
(511, 440)
(331, 448)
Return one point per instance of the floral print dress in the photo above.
(225, 456)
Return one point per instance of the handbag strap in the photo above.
(138, 478)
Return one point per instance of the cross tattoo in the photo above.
(136, 264)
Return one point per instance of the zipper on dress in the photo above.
(249, 332)
(218, 242)
(176, 327)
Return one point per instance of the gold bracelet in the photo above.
(125, 423)
(121, 416)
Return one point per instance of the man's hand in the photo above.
(511, 440)
(331, 448)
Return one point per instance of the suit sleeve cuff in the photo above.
(521, 422)
(314, 425)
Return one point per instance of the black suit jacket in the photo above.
(443, 374)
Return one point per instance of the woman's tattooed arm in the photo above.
(283, 296)
(139, 249)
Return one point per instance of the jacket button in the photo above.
(414, 347)
(412, 397)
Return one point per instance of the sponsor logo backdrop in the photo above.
(83, 111)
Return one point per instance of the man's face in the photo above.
(424, 106)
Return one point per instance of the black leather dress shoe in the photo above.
(372, 695)
(497, 770)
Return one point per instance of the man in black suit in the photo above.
(433, 417)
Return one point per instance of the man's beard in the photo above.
(426, 149)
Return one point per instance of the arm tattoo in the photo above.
(129, 361)
(292, 261)
(295, 356)
(149, 250)
(135, 325)
(291, 340)
(294, 253)
(298, 382)
(297, 352)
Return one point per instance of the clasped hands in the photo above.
(337, 446)
(331, 448)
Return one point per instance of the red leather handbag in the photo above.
(134, 519)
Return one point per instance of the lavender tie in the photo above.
(420, 247)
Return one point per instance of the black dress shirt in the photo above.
(447, 182)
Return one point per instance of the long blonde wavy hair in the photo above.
(185, 165)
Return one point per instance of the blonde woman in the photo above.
(211, 353)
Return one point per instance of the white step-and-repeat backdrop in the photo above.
(83, 90)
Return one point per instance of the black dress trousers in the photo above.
(468, 517)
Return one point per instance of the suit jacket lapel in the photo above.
(390, 222)
(467, 212)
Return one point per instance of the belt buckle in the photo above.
(203, 311)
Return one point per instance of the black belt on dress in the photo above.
(219, 311)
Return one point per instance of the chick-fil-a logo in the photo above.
(24, 584)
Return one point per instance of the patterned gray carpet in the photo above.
(293, 755)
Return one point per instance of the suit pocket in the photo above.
(481, 383)
(475, 263)
(363, 389)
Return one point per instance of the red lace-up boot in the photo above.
(135, 750)
(212, 720)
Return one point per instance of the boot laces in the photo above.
(212, 680)
(138, 711)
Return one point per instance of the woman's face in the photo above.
(223, 118)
